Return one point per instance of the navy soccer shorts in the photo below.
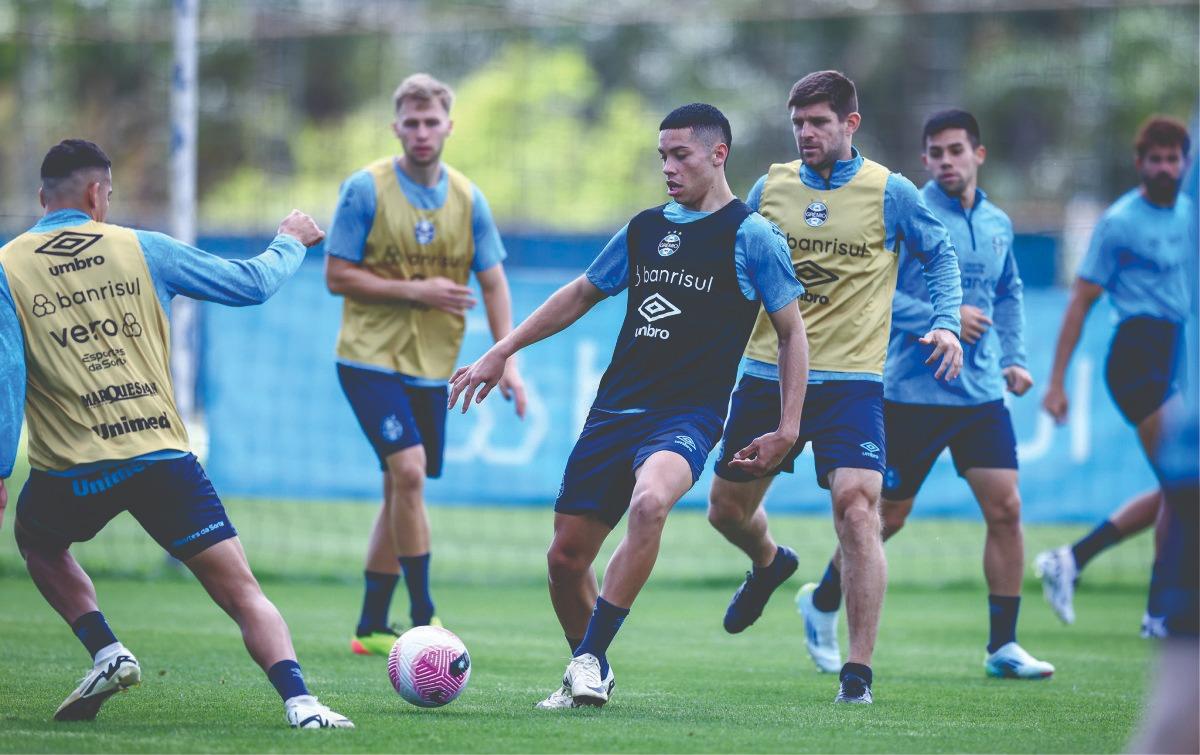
(395, 415)
(843, 419)
(978, 437)
(599, 478)
(172, 499)
(1142, 364)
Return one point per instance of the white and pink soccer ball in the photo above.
(429, 666)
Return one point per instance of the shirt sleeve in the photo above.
(911, 310)
(754, 198)
(178, 268)
(352, 219)
(1100, 263)
(609, 272)
(12, 379)
(764, 264)
(927, 239)
(1008, 313)
(489, 249)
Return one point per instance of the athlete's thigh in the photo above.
(176, 504)
(429, 412)
(848, 484)
(994, 488)
(381, 405)
(665, 475)
(753, 411)
(849, 432)
(54, 512)
(223, 570)
(983, 438)
(916, 435)
(598, 479)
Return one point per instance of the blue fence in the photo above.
(280, 427)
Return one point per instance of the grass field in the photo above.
(683, 685)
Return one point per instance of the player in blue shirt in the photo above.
(77, 483)
(697, 270)
(923, 416)
(1138, 254)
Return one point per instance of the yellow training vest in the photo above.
(406, 243)
(97, 345)
(837, 241)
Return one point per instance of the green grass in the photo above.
(683, 685)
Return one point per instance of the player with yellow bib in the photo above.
(406, 236)
(844, 217)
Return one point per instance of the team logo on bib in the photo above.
(816, 213)
(669, 244)
(424, 231)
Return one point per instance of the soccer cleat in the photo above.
(378, 642)
(561, 699)
(1154, 627)
(855, 690)
(117, 673)
(584, 682)
(751, 598)
(820, 632)
(1010, 661)
(1058, 573)
(306, 712)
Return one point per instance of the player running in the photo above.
(844, 217)
(923, 416)
(406, 235)
(696, 270)
(84, 337)
(1137, 254)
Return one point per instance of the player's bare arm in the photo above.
(346, 278)
(1083, 296)
(766, 451)
(564, 307)
(497, 300)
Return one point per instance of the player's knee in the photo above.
(648, 509)
(724, 512)
(565, 563)
(859, 521)
(406, 472)
(1003, 512)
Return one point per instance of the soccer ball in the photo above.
(429, 666)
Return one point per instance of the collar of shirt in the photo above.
(60, 218)
(843, 171)
(934, 192)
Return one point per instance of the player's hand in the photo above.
(974, 323)
(512, 387)
(1018, 379)
(1055, 403)
(303, 228)
(483, 376)
(948, 349)
(444, 294)
(763, 454)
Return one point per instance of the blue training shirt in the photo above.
(760, 255)
(983, 239)
(175, 269)
(905, 216)
(1138, 254)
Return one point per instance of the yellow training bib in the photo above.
(406, 243)
(837, 240)
(97, 345)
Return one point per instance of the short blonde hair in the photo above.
(424, 88)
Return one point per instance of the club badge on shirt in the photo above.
(669, 244)
(424, 231)
(816, 213)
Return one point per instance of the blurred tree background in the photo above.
(559, 101)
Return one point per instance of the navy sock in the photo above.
(859, 670)
(93, 631)
(828, 595)
(288, 679)
(1003, 610)
(574, 642)
(1105, 535)
(377, 599)
(602, 628)
(416, 578)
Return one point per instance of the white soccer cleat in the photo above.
(1058, 573)
(586, 685)
(114, 673)
(1010, 661)
(820, 632)
(559, 699)
(306, 712)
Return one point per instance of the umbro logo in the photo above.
(656, 307)
(686, 441)
(870, 449)
(68, 244)
(811, 274)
